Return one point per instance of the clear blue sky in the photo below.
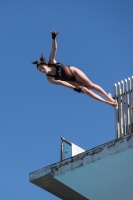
(95, 36)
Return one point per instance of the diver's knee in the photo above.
(92, 86)
(84, 90)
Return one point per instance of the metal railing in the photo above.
(123, 93)
(69, 149)
(66, 149)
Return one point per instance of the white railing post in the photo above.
(123, 107)
(119, 109)
(126, 106)
(129, 107)
(132, 103)
(116, 112)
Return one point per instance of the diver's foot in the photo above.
(114, 103)
(110, 98)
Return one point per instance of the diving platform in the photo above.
(104, 172)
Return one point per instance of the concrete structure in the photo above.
(101, 173)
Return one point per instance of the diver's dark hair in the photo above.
(41, 61)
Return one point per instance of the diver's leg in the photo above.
(97, 97)
(82, 78)
(90, 93)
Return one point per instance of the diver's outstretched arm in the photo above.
(54, 47)
(59, 82)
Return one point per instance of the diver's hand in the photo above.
(54, 33)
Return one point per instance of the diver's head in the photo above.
(41, 64)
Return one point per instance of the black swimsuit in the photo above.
(63, 72)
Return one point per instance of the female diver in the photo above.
(70, 76)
